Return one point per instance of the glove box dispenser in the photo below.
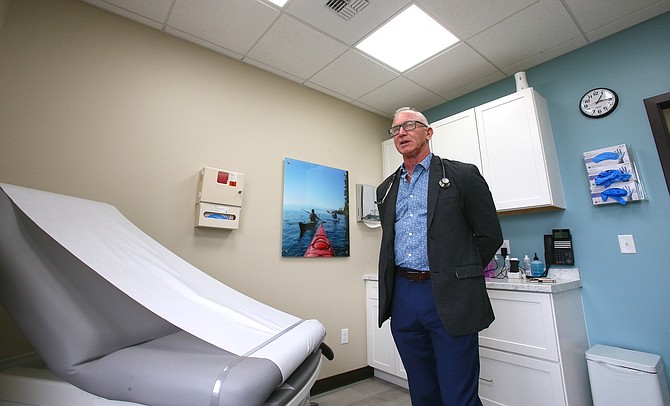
(219, 198)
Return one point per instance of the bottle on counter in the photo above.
(526, 265)
(536, 267)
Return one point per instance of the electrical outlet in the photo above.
(344, 336)
(505, 244)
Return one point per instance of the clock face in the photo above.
(597, 103)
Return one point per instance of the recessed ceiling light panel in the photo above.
(409, 38)
(279, 3)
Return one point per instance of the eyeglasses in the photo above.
(407, 126)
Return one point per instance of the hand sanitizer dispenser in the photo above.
(219, 198)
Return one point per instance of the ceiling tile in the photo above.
(318, 15)
(328, 92)
(232, 24)
(153, 13)
(544, 56)
(467, 18)
(430, 103)
(629, 20)
(274, 70)
(593, 14)
(478, 84)
(395, 94)
(203, 43)
(352, 75)
(295, 48)
(542, 26)
(450, 70)
(372, 109)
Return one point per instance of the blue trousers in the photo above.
(441, 369)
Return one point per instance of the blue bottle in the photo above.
(536, 267)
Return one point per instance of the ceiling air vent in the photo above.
(347, 8)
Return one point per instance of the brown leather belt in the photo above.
(412, 274)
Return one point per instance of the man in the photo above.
(440, 229)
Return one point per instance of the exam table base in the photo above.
(22, 386)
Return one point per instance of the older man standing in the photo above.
(440, 229)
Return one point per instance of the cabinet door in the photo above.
(513, 380)
(455, 137)
(381, 348)
(513, 155)
(391, 158)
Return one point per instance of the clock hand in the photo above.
(603, 100)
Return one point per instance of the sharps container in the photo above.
(625, 377)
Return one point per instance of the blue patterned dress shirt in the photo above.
(411, 210)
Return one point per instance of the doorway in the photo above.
(658, 111)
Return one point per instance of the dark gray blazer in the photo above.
(463, 235)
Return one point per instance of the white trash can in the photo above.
(625, 377)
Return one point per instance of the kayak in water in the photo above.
(305, 226)
(320, 245)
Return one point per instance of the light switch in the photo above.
(627, 244)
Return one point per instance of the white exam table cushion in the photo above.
(102, 238)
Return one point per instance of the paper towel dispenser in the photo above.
(366, 209)
(219, 198)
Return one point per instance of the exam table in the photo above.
(120, 320)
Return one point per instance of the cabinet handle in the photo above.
(486, 380)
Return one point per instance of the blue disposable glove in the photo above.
(605, 156)
(608, 177)
(615, 193)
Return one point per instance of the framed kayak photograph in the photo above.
(315, 214)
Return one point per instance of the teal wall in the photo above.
(626, 296)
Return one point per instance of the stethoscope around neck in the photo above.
(444, 182)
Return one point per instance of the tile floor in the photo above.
(369, 392)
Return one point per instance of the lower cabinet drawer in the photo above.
(524, 325)
(513, 380)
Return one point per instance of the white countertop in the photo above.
(565, 279)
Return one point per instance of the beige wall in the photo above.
(4, 5)
(97, 106)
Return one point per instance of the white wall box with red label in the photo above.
(219, 198)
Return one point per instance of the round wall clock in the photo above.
(598, 102)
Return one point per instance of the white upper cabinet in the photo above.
(391, 158)
(456, 138)
(518, 154)
(510, 141)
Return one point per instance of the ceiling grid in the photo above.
(314, 42)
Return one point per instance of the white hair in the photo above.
(413, 110)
